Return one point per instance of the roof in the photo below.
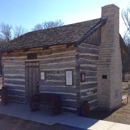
(59, 35)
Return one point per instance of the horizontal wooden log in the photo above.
(69, 108)
(85, 61)
(89, 46)
(65, 95)
(89, 73)
(89, 98)
(90, 54)
(14, 67)
(57, 89)
(14, 77)
(45, 52)
(57, 66)
(72, 104)
(88, 93)
(18, 93)
(15, 87)
(87, 50)
(90, 68)
(68, 96)
(51, 82)
(90, 79)
(58, 72)
(55, 72)
(8, 71)
(13, 63)
(15, 82)
(48, 51)
(57, 55)
(6, 57)
(58, 60)
(88, 86)
(12, 59)
(55, 77)
(87, 89)
(57, 69)
(89, 57)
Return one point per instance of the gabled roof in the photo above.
(60, 35)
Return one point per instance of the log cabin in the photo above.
(80, 62)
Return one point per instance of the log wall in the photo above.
(53, 61)
(14, 76)
(87, 60)
(54, 66)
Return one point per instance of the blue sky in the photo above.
(28, 13)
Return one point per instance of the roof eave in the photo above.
(93, 29)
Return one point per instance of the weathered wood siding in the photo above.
(87, 60)
(14, 76)
(53, 61)
(54, 65)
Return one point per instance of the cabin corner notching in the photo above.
(75, 61)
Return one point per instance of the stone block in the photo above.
(109, 62)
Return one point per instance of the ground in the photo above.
(12, 123)
(121, 115)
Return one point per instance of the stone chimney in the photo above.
(109, 63)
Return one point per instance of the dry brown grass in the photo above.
(121, 115)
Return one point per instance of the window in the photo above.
(82, 76)
(69, 77)
(32, 56)
(104, 76)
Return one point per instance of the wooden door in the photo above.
(32, 79)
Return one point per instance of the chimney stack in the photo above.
(109, 63)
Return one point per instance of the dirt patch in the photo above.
(121, 115)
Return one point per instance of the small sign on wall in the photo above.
(69, 77)
(43, 75)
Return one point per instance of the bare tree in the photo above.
(125, 65)
(52, 24)
(126, 57)
(38, 27)
(49, 24)
(5, 32)
(126, 17)
(18, 31)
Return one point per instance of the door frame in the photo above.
(26, 84)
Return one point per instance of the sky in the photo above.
(28, 13)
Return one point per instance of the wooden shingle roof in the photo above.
(59, 35)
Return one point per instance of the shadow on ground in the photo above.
(100, 114)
